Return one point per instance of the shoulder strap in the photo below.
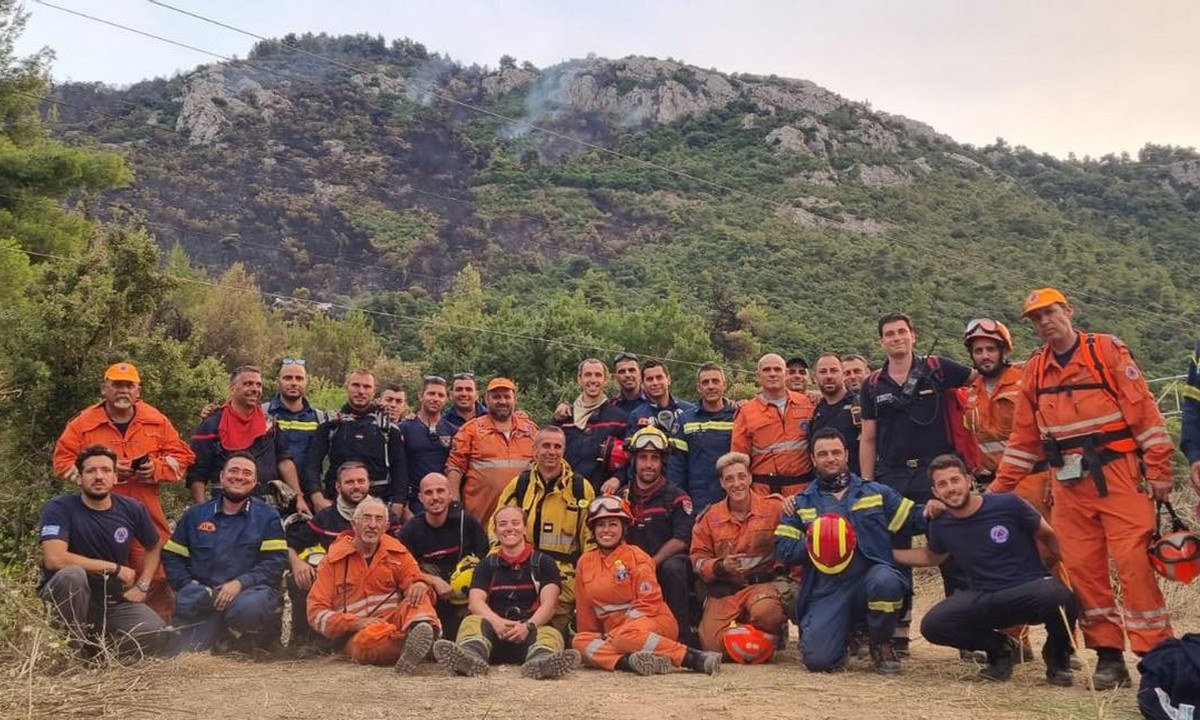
(873, 381)
(322, 416)
(523, 481)
(934, 363)
(1098, 367)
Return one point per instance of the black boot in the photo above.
(708, 663)
(1110, 670)
(1001, 660)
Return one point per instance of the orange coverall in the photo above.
(1072, 402)
(753, 599)
(149, 433)
(989, 416)
(619, 608)
(489, 460)
(347, 590)
(777, 444)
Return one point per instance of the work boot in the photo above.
(1110, 670)
(859, 645)
(708, 663)
(899, 646)
(1000, 662)
(417, 643)
(546, 664)
(973, 656)
(887, 662)
(1058, 669)
(646, 663)
(460, 659)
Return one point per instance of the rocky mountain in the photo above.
(358, 169)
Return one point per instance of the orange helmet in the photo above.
(989, 329)
(1176, 555)
(748, 645)
(609, 506)
(831, 543)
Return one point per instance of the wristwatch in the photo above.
(142, 585)
(532, 627)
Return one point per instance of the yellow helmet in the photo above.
(460, 579)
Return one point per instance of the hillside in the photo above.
(779, 212)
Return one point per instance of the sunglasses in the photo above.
(436, 379)
(464, 376)
(293, 361)
(988, 325)
(623, 356)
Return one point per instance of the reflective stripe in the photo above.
(887, 606)
(488, 463)
(787, 531)
(806, 514)
(1151, 431)
(1069, 427)
(682, 445)
(1191, 393)
(1091, 612)
(1018, 463)
(275, 544)
(708, 425)
(993, 447)
(634, 614)
(592, 647)
(901, 515)
(1147, 624)
(174, 547)
(1159, 612)
(322, 617)
(1159, 441)
(867, 502)
(651, 642)
(612, 608)
(317, 549)
(1012, 451)
(359, 604)
(781, 446)
(302, 425)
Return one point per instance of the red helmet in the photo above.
(831, 543)
(989, 329)
(748, 645)
(609, 506)
(1176, 555)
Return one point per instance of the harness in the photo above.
(1098, 448)
(534, 558)
(577, 490)
(382, 423)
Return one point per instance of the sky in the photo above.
(1058, 76)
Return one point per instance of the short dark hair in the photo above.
(894, 317)
(852, 357)
(709, 366)
(947, 461)
(395, 387)
(240, 454)
(233, 376)
(653, 364)
(92, 451)
(827, 433)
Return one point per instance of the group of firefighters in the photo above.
(640, 532)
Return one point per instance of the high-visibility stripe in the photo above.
(1013, 452)
(1191, 393)
(651, 642)
(1082, 424)
(682, 445)
(993, 447)
(1150, 431)
(1157, 441)
(867, 502)
(887, 606)
(592, 647)
(610, 608)
(634, 614)
(1147, 624)
(1157, 612)
(322, 617)
(177, 548)
(488, 463)
(806, 514)
(787, 531)
(781, 446)
(176, 468)
(901, 515)
(306, 552)
(301, 425)
(1008, 458)
(272, 545)
(708, 425)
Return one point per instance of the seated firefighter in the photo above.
(513, 597)
(225, 562)
(370, 596)
(86, 568)
(624, 623)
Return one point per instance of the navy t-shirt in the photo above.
(426, 451)
(99, 534)
(912, 428)
(995, 546)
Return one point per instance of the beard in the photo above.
(235, 495)
(96, 495)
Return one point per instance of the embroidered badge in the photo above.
(206, 526)
(999, 534)
(121, 534)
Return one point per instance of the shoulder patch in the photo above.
(1131, 372)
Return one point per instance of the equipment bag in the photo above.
(1170, 688)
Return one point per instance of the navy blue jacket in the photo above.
(584, 446)
(456, 421)
(268, 449)
(297, 428)
(1189, 436)
(648, 415)
(702, 438)
(213, 548)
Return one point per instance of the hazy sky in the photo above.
(1059, 76)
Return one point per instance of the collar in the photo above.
(218, 506)
(649, 492)
(564, 480)
(276, 404)
(519, 560)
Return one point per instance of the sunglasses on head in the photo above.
(436, 379)
(623, 356)
(293, 361)
(464, 376)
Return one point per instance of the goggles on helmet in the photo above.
(650, 438)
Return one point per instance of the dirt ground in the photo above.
(935, 685)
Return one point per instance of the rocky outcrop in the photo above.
(882, 175)
(789, 139)
(212, 97)
(506, 80)
(1185, 172)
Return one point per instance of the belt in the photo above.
(777, 482)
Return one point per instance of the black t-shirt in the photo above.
(444, 546)
(912, 426)
(99, 534)
(664, 515)
(995, 546)
(513, 590)
(843, 416)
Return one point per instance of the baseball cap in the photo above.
(501, 383)
(797, 361)
(1041, 298)
(122, 371)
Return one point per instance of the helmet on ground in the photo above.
(1176, 556)
(648, 438)
(460, 579)
(831, 543)
(989, 329)
(748, 645)
(607, 506)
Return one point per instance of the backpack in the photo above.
(1170, 688)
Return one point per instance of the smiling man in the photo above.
(589, 423)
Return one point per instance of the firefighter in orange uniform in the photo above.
(991, 404)
(1084, 407)
(370, 592)
(772, 428)
(149, 451)
(624, 623)
(733, 553)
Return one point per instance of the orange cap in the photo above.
(122, 371)
(501, 383)
(1044, 297)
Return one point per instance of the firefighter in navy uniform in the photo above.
(1189, 436)
(362, 431)
(838, 408)
(662, 523)
(705, 434)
